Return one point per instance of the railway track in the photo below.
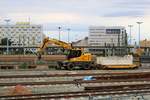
(118, 83)
(98, 78)
(76, 74)
(72, 82)
(74, 78)
(78, 94)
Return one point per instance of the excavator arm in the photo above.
(72, 52)
(62, 44)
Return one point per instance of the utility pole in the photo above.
(23, 44)
(59, 28)
(7, 25)
(139, 23)
(130, 26)
(68, 35)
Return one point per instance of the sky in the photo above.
(78, 15)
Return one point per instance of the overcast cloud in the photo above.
(78, 14)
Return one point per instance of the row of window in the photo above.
(114, 31)
(96, 41)
(96, 29)
(19, 32)
(96, 32)
(101, 35)
(104, 44)
(21, 27)
(108, 31)
(106, 38)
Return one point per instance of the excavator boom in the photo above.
(72, 52)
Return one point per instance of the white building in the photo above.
(22, 34)
(107, 36)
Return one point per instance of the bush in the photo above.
(23, 66)
(40, 62)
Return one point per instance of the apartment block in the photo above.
(22, 34)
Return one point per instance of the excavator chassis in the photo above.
(82, 65)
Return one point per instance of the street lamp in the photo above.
(59, 28)
(130, 26)
(7, 24)
(68, 35)
(139, 23)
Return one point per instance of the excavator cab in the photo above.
(74, 53)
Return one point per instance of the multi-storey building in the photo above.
(22, 34)
(107, 36)
(104, 36)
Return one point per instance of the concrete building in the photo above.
(22, 34)
(107, 36)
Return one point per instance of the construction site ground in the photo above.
(49, 83)
(68, 86)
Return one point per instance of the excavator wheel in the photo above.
(70, 66)
(87, 66)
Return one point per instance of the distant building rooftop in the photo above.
(83, 42)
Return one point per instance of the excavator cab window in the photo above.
(74, 53)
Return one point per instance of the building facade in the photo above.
(22, 34)
(111, 38)
(107, 36)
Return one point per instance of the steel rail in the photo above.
(77, 94)
(74, 82)
(119, 74)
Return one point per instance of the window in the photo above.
(113, 31)
(24, 29)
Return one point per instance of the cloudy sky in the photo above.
(79, 15)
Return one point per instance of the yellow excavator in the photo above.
(75, 56)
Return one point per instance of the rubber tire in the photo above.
(87, 67)
(70, 66)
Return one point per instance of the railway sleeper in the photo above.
(118, 87)
(68, 95)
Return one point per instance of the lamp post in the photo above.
(145, 42)
(59, 28)
(7, 24)
(139, 23)
(68, 35)
(130, 26)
